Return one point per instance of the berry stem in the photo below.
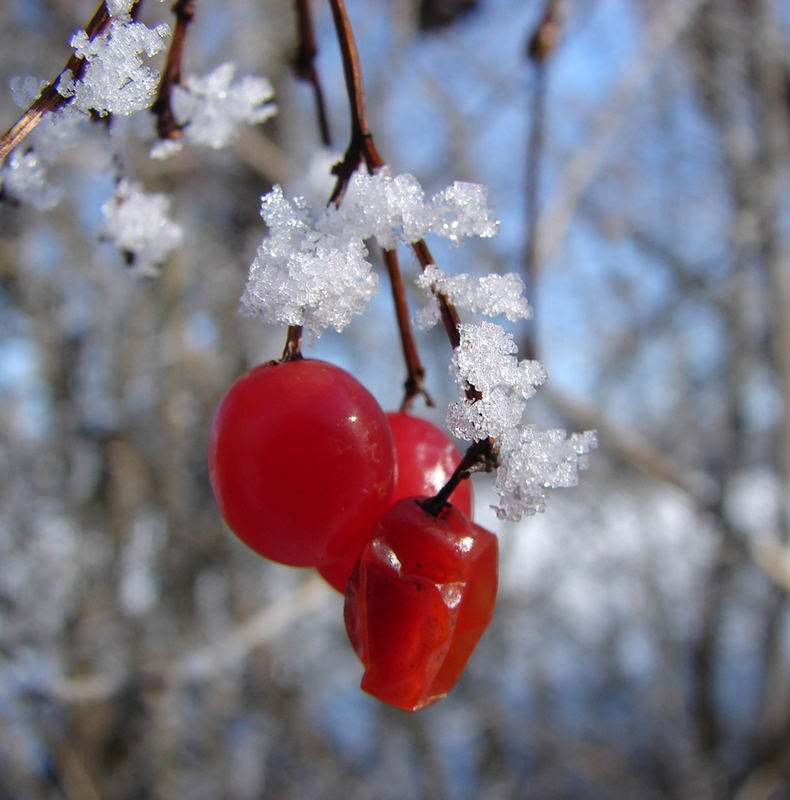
(166, 125)
(480, 457)
(293, 344)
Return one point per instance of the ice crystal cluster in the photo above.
(315, 271)
(490, 295)
(115, 80)
(137, 223)
(494, 386)
(211, 108)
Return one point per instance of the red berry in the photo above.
(418, 601)
(426, 458)
(301, 461)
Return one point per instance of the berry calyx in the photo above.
(426, 458)
(418, 601)
(301, 460)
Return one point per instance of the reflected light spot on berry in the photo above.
(465, 544)
(451, 593)
(386, 554)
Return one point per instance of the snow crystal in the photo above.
(119, 8)
(25, 89)
(301, 277)
(211, 107)
(393, 209)
(23, 177)
(315, 272)
(532, 461)
(137, 223)
(489, 295)
(114, 79)
(485, 361)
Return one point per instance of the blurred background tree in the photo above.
(636, 154)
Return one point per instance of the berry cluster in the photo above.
(308, 470)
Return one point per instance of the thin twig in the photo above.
(50, 99)
(293, 344)
(361, 146)
(542, 44)
(414, 368)
(304, 66)
(166, 125)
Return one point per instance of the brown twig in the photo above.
(414, 368)
(166, 125)
(304, 66)
(541, 44)
(480, 455)
(361, 144)
(50, 99)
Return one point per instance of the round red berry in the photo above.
(301, 460)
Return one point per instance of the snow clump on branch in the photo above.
(489, 295)
(137, 223)
(493, 388)
(210, 108)
(114, 79)
(315, 272)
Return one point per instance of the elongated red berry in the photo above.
(418, 601)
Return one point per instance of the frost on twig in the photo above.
(533, 461)
(137, 223)
(24, 175)
(314, 271)
(489, 295)
(303, 275)
(485, 361)
(530, 461)
(209, 109)
(114, 79)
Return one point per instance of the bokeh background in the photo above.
(641, 645)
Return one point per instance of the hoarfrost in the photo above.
(119, 8)
(115, 80)
(315, 272)
(137, 222)
(485, 361)
(530, 461)
(489, 295)
(211, 107)
(301, 276)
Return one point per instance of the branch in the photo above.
(304, 65)
(414, 384)
(166, 125)
(50, 99)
